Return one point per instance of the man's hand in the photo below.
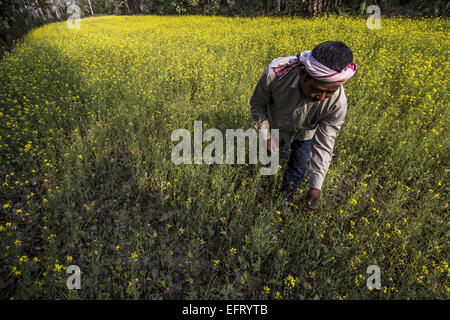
(264, 128)
(312, 196)
(271, 146)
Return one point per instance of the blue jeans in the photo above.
(296, 167)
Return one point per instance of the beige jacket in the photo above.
(280, 104)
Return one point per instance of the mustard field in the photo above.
(86, 176)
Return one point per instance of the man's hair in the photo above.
(334, 54)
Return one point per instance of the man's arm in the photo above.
(322, 152)
(323, 144)
(259, 107)
(259, 101)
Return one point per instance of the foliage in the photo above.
(86, 176)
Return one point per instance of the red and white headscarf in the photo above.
(316, 69)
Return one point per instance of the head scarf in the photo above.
(316, 69)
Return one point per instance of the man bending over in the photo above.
(303, 96)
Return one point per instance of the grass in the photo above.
(86, 177)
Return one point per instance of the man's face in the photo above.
(314, 89)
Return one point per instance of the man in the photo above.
(303, 97)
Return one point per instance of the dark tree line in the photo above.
(269, 7)
(19, 16)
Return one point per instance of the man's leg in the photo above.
(285, 151)
(296, 167)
